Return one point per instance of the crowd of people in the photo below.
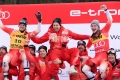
(21, 60)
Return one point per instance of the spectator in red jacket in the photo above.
(81, 45)
(44, 70)
(32, 67)
(116, 74)
(12, 70)
(3, 51)
(113, 63)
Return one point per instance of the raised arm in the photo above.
(109, 17)
(78, 36)
(5, 29)
(38, 16)
(30, 57)
(38, 29)
(41, 39)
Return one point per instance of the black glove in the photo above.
(26, 46)
(81, 59)
(64, 45)
(38, 16)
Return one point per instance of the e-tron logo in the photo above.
(5, 15)
(92, 12)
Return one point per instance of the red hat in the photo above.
(116, 72)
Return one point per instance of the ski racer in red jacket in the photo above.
(116, 73)
(100, 41)
(113, 63)
(32, 66)
(17, 39)
(58, 35)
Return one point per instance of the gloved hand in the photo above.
(81, 59)
(38, 16)
(64, 45)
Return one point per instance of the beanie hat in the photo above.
(23, 21)
(4, 47)
(95, 22)
(42, 47)
(58, 20)
(32, 47)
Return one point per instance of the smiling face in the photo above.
(42, 53)
(56, 26)
(2, 51)
(94, 28)
(32, 51)
(81, 47)
(111, 58)
(22, 27)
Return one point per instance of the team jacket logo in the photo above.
(63, 38)
(42, 66)
(53, 37)
(42, 63)
(100, 43)
(65, 32)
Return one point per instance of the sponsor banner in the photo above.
(72, 15)
(113, 36)
(68, 12)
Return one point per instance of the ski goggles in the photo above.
(111, 51)
(81, 42)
